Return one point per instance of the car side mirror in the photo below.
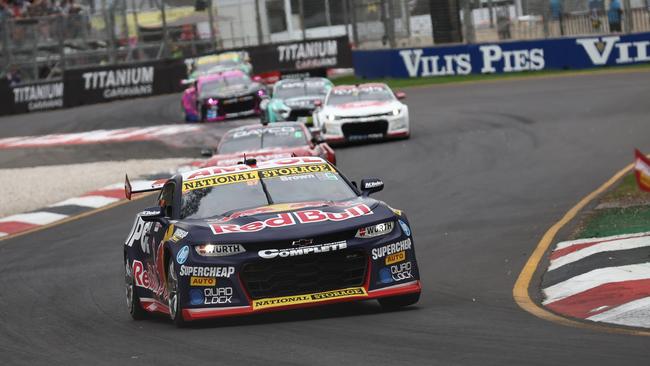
(316, 135)
(400, 95)
(371, 185)
(264, 103)
(207, 152)
(153, 214)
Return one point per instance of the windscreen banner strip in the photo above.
(219, 180)
(296, 170)
(255, 175)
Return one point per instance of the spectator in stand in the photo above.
(13, 76)
(5, 10)
(614, 16)
(38, 8)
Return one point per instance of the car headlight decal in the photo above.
(219, 250)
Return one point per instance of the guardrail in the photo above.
(504, 57)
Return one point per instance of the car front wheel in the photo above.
(132, 298)
(174, 302)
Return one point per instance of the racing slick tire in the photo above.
(396, 302)
(132, 298)
(174, 302)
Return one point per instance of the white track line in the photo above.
(608, 246)
(35, 218)
(595, 278)
(634, 313)
(87, 201)
(569, 243)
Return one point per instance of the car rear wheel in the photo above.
(396, 302)
(174, 303)
(132, 298)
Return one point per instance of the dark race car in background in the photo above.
(360, 113)
(267, 142)
(224, 95)
(295, 100)
(213, 64)
(245, 239)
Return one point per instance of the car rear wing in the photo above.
(141, 186)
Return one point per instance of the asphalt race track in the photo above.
(488, 169)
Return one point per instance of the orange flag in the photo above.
(642, 170)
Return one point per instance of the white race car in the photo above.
(364, 112)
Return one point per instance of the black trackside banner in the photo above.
(124, 81)
(37, 97)
(6, 103)
(321, 53)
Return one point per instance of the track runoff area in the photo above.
(488, 169)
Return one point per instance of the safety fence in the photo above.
(90, 85)
(504, 57)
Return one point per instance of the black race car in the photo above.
(251, 238)
(227, 94)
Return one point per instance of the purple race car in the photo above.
(224, 95)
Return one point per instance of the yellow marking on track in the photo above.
(521, 290)
(76, 217)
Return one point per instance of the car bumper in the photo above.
(395, 290)
(366, 129)
(253, 282)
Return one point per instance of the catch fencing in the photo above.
(104, 83)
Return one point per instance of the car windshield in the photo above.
(369, 93)
(320, 183)
(214, 86)
(262, 138)
(205, 67)
(292, 89)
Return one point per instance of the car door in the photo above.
(155, 238)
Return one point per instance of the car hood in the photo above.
(292, 221)
(362, 108)
(231, 91)
(260, 155)
(303, 102)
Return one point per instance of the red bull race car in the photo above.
(267, 142)
(251, 238)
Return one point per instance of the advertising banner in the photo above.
(296, 56)
(126, 81)
(505, 57)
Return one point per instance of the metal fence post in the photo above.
(355, 30)
(301, 9)
(213, 36)
(165, 45)
(258, 23)
(390, 21)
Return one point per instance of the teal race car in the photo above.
(295, 100)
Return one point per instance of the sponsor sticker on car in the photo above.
(296, 170)
(309, 298)
(220, 180)
(393, 248)
(203, 281)
(395, 258)
(291, 218)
